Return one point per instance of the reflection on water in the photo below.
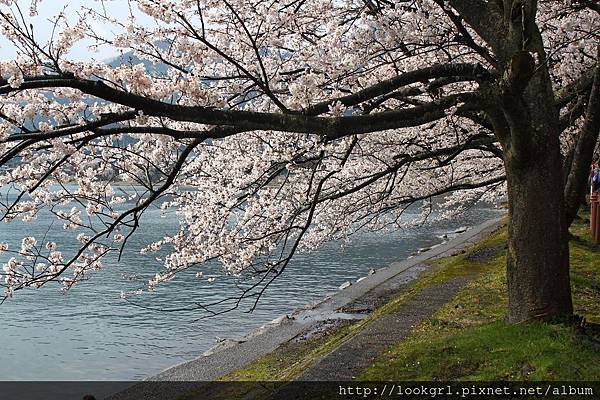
(92, 334)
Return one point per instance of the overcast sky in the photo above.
(49, 8)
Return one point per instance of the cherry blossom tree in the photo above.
(270, 127)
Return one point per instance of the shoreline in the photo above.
(223, 359)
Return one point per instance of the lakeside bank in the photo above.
(345, 308)
(464, 339)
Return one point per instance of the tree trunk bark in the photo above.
(528, 126)
(538, 253)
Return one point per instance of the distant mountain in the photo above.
(129, 58)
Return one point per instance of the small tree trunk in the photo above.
(583, 154)
(538, 254)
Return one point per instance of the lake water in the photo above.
(90, 333)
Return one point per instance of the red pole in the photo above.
(593, 213)
(596, 234)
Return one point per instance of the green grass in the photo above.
(468, 339)
(585, 273)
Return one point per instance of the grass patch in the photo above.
(585, 272)
(467, 339)
(489, 352)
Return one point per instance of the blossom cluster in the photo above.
(252, 199)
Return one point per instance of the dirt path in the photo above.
(354, 356)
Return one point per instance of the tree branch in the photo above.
(330, 127)
(584, 151)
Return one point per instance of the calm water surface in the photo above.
(92, 334)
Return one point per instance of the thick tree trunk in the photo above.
(525, 118)
(538, 254)
(528, 126)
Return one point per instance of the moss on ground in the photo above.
(468, 340)
(289, 359)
